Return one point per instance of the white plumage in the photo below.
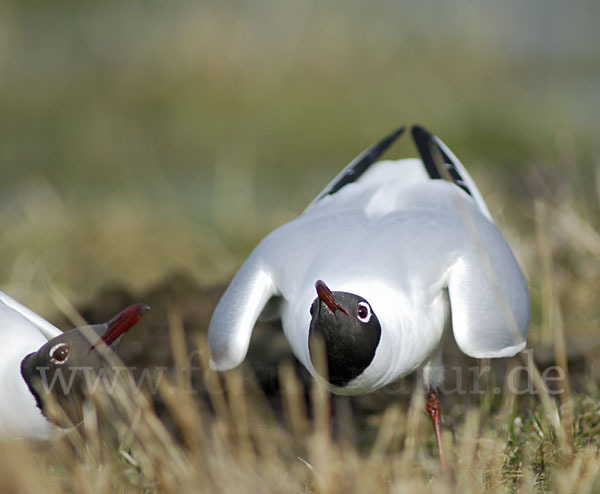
(21, 332)
(423, 252)
(37, 359)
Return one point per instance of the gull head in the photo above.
(350, 332)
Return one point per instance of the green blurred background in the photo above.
(137, 138)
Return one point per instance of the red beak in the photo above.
(119, 324)
(325, 296)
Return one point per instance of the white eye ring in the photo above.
(57, 347)
(360, 312)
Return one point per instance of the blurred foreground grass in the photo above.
(240, 446)
(138, 138)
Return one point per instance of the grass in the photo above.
(241, 446)
(138, 139)
(234, 441)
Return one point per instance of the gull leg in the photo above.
(331, 411)
(432, 405)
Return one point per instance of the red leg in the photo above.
(331, 410)
(432, 404)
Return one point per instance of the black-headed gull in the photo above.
(32, 354)
(396, 254)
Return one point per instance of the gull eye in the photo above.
(59, 353)
(363, 312)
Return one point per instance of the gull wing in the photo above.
(47, 329)
(359, 165)
(488, 293)
(435, 154)
(238, 310)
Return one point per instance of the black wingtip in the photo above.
(426, 144)
(388, 140)
(417, 130)
(370, 155)
(397, 133)
(364, 160)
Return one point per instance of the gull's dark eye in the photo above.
(363, 312)
(60, 353)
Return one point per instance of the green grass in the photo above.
(141, 138)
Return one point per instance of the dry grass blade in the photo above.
(131, 149)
